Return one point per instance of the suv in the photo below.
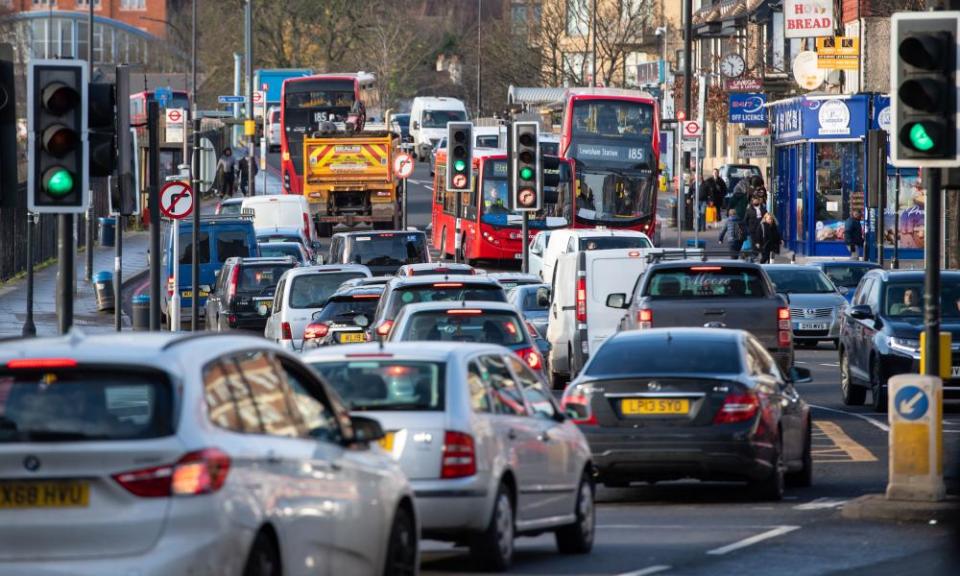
(221, 238)
(244, 294)
(344, 318)
(381, 252)
(880, 333)
(144, 443)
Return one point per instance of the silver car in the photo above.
(486, 448)
(160, 454)
(301, 292)
(816, 305)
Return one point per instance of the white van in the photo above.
(579, 318)
(273, 128)
(280, 211)
(428, 121)
(569, 241)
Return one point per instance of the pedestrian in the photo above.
(853, 234)
(742, 193)
(244, 167)
(770, 239)
(225, 169)
(718, 190)
(752, 220)
(732, 233)
(688, 203)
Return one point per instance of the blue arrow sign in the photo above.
(232, 99)
(911, 403)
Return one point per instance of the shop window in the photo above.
(838, 187)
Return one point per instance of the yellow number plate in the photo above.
(189, 294)
(44, 495)
(387, 441)
(352, 337)
(644, 406)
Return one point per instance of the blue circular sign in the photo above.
(911, 403)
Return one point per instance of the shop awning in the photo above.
(533, 96)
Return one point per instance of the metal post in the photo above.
(479, 59)
(881, 201)
(687, 66)
(65, 275)
(237, 89)
(524, 232)
(931, 285)
(457, 239)
(29, 328)
(896, 224)
(118, 276)
(593, 44)
(194, 171)
(248, 49)
(153, 117)
(681, 207)
(696, 197)
(88, 241)
(404, 200)
(173, 310)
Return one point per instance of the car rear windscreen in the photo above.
(622, 356)
(83, 405)
(800, 281)
(465, 325)
(312, 290)
(277, 250)
(387, 249)
(614, 242)
(231, 209)
(343, 309)
(706, 282)
(258, 278)
(232, 243)
(444, 292)
(379, 384)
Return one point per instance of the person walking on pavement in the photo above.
(853, 234)
(244, 167)
(742, 193)
(718, 190)
(752, 220)
(225, 173)
(731, 234)
(770, 239)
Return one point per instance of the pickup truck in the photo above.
(728, 294)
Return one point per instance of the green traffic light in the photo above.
(526, 173)
(59, 182)
(920, 139)
(459, 165)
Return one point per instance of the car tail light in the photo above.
(784, 335)
(41, 363)
(459, 458)
(315, 331)
(644, 318)
(200, 472)
(531, 357)
(576, 404)
(384, 328)
(534, 333)
(306, 226)
(737, 407)
(285, 332)
(170, 286)
(582, 299)
(232, 284)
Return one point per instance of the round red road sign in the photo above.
(459, 180)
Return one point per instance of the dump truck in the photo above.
(348, 179)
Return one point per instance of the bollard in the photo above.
(103, 288)
(108, 231)
(141, 312)
(916, 438)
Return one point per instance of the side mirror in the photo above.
(617, 300)
(799, 375)
(365, 430)
(861, 312)
(543, 300)
(416, 125)
(843, 290)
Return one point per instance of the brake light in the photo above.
(531, 357)
(459, 460)
(200, 472)
(783, 313)
(705, 268)
(384, 328)
(41, 363)
(306, 225)
(315, 330)
(369, 355)
(234, 280)
(170, 286)
(285, 332)
(365, 296)
(534, 333)
(784, 335)
(576, 404)
(644, 318)
(448, 285)
(465, 311)
(737, 407)
(581, 299)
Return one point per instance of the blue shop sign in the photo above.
(748, 108)
(820, 119)
(881, 113)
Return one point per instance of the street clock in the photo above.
(732, 65)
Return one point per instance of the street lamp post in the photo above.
(194, 184)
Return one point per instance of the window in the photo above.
(706, 282)
(538, 398)
(249, 418)
(221, 405)
(313, 290)
(232, 243)
(278, 297)
(387, 385)
(261, 280)
(839, 187)
(316, 415)
(479, 397)
(132, 4)
(186, 248)
(507, 398)
(861, 295)
(800, 281)
(578, 19)
(270, 394)
(96, 3)
(658, 355)
(491, 327)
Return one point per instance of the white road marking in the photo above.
(799, 362)
(647, 571)
(821, 504)
(778, 531)
(881, 425)
(830, 364)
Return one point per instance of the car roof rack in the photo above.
(223, 217)
(664, 254)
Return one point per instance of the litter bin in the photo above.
(141, 313)
(672, 211)
(108, 231)
(103, 287)
(691, 243)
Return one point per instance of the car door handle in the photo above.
(273, 457)
(544, 436)
(512, 434)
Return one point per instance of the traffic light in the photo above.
(125, 198)
(102, 123)
(58, 174)
(459, 156)
(923, 81)
(526, 190)
(8, 129)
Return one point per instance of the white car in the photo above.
(161, 454)
(273, 128)
(281, 211)
(570, 241)
(487, 450)
(301, 292)
(537, 247)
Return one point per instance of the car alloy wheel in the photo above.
(493, 549)
(772, 487)
(577, 538)
(402, 551)
(852, 394)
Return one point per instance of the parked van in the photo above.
(428, 121)
(220, 237)
(273, 128)
(282, 211)
(569, 241)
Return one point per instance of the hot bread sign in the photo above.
(808, 18)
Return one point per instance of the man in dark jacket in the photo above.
(717, 189)
(754, 215)
(731, 234)
(853, 234)
(742, 193)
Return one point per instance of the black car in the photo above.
(846, 274)
(381, 252)
(344, 319)
(703, 403)
(880, 333)
(243, 297)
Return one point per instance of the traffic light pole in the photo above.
(524, 232)
(65, 275)
(29, 328)
(153, 119)
(88, 241)
(931, 283)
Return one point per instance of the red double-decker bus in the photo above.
(613, 137)
(308, 102)
(490, 230)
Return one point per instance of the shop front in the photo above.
(819, 169)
